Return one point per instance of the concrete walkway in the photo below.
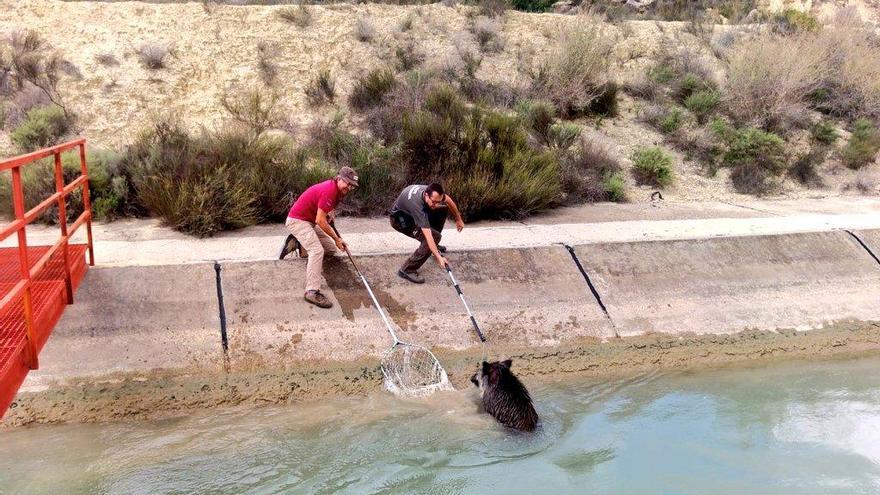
(147, 242)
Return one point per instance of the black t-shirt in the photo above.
(411, 201)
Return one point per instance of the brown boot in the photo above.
(413, 277)
(315, 297)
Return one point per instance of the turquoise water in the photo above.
(801, 428)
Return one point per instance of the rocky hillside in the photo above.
(128, 64)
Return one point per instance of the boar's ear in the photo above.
(507, 363)
(486, 366)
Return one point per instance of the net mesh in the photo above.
(413, 371)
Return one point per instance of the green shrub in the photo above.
(652, 166)
(615, 187)
(527, 182)
(482, 156)
(533, 5)
(540, 121)
(688, 85)
(672, 121)
(108, 197)
(381, 176)
(863, 144)
(218, 181)
(825, 133)
(755, 156)
(369, 90)
(661, 73)
(793, 20)
(42, 127)
(702, 103)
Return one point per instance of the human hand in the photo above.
(341, 245)
(459, 225)
(442, 261)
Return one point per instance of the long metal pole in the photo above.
(466, 307)
(373, 297)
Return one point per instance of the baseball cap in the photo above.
(348, 175)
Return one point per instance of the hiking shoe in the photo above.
(315, 297)
(290, 245)
(411, 276)
(440, 248)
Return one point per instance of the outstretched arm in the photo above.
(429, 238)
(459, 223)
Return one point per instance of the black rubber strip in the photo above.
(223, 340)
(859, 240)
(587, 278)
(593, 289)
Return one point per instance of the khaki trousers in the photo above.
(316, 243)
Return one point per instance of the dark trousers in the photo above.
(404, 224)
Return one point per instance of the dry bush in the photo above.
(805, 167)
(106, 59)
(321, 89)
(865, 181)
(653, 114)
(854, 50)
(385, 121)
(21, 102)
(30, 63)
(154, 55)
(643, 87)
(266, 64)
(591, 172)
(408, 56)
(574, 74)
(301, 15)
(493, 8)
(254, 108)
(406, 23)
(486, 31)
(768, 75)
(364, 30)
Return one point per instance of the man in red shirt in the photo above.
(309, 224)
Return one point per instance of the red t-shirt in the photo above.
(323, 195)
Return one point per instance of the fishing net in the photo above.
(413, 371)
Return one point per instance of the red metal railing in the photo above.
(19, 299)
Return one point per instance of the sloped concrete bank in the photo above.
(145, 340)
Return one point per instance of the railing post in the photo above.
(87, 204)
(18, 207)
(62, 221)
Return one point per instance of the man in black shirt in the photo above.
(420, 212)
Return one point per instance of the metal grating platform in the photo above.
(48, 298)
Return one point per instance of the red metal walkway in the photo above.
(36, 282)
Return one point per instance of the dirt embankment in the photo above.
(161, 394)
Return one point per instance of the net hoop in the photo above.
(413, 371)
